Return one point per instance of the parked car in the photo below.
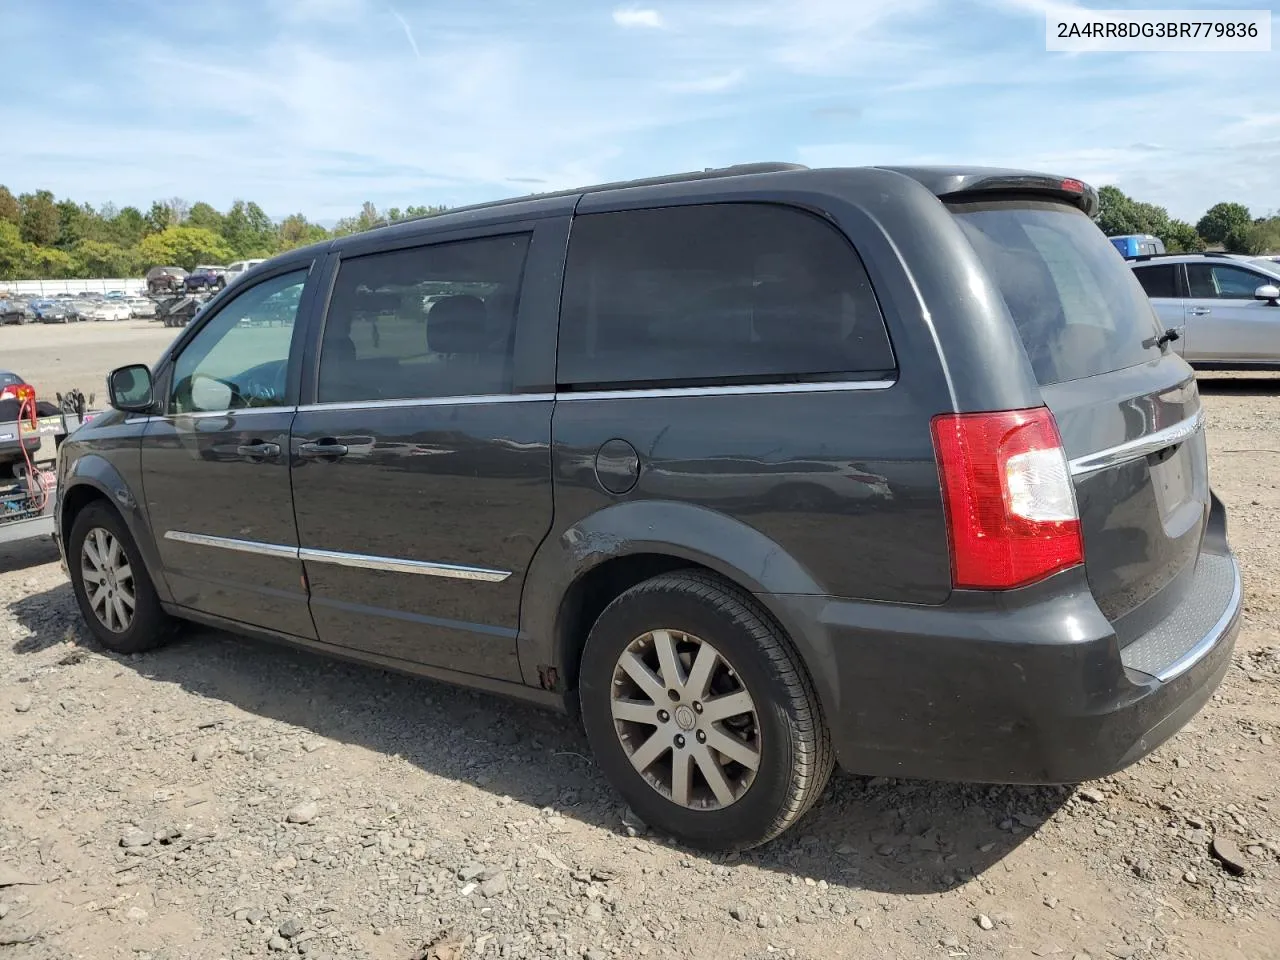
(79, 309)
(108, 310)
(239, 268)
(52, 311)
(1224, 310)
(142, 307)
(14, 312)
(1025, 579)
(205, 278)
(165, 280)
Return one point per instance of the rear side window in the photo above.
(1078, 308)
(715, 294)
(433, 321)
(1158, 281)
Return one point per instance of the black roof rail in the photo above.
(709, 173)
(1191, 253)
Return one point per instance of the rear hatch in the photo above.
(1127, 408)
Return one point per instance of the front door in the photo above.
(1225, 322)
(422, 472)
(215, 466)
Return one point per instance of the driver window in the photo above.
(240, 358)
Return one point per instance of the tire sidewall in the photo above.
(144, 629)
(743, 822)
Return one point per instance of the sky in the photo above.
(315, 106)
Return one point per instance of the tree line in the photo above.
(54, 239)
(41, 237)
(1229, 226)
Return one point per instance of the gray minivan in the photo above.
(756, 469)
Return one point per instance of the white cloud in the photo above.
(713, 83)
(638, 17)
(408, 32)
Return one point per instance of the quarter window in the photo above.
(708, 294)
(240, 358)
(434, 321)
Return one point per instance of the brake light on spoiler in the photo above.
(1010, 505)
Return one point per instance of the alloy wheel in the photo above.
(685, 720)
(108, 580)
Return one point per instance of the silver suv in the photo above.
(1225, 309)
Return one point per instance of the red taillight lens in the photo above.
(1072, 186)
(1011, 509)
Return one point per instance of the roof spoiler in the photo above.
(1073, 191)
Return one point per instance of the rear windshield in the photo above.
(1078, 307)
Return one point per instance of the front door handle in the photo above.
(258, 450)
(1200, 311)
(322, 450)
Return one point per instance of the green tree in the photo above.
(205, 217)
(1181, 237)
(13, 251)
(94, 258)
(49, 262)
(128, 227)
(296, 231)
(249, 231)
(39, 218)
(10, 209)
(1221, 219)
(72, 223)
(424, 211)
(183, 247)
(159, 217)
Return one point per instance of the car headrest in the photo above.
(458, 324)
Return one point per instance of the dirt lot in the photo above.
(62, 357)
(223, 799)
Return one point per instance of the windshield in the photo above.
(1078, 307)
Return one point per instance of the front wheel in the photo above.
(111, 584)
(701, 715)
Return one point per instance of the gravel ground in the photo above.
(77, 356)
(223, 799)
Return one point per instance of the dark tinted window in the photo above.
(1221, 282)
(1158, 281)
(436, 321)
(714, 294)
(1078, 307)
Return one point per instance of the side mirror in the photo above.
(1269, 292)
(129, 388)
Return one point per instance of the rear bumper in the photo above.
(1029, 687)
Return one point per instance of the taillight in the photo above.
(1011, 509)
(1072, 186)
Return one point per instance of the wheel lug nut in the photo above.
(673, 695)
(679, 741)
(697, 706)
(702, 737)
(664, 716)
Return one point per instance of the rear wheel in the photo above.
(701, 715)
(111, 584)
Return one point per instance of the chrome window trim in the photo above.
(1139, 448)
(201, 414)
(365, 562)
(1210, 639)
(362, 561)
(746, 389)
(230, 543)
(472, 400)
(638, 393)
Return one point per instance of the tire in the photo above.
(783, 734)
(148, 626)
